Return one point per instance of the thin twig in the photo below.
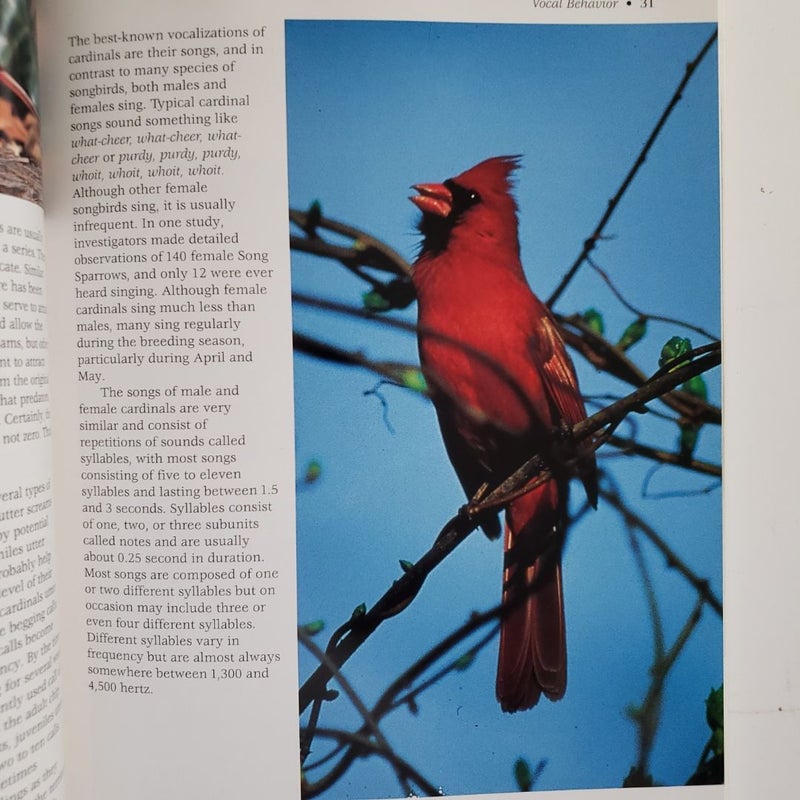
(394, 371)
(597, 234)
(366, 250)
(701, 585)
(412, 694)
(644, 314)
(632, 447)
(648, 715)
(366, 745)
(371, 730)
(362, 709)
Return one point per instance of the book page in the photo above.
(173, 391)
(175, 410)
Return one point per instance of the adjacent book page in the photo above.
(31, 762)
(31, 756)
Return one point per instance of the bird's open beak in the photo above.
(433, 198)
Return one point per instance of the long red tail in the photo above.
(533, 646)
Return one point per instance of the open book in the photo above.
(223, 483)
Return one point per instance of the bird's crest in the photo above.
(492, 175)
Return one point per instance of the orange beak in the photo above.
(433, 198)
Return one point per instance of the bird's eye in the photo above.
(462, 198)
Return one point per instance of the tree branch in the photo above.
(366, 250)
(601, 353)
(701, 585)
(403, 590)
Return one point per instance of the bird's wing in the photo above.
(556, 371)
(558, 377)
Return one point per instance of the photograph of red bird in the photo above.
(504, 389)
(417, 325)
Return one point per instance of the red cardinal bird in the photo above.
(504, 390)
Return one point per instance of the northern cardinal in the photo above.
(504, 389)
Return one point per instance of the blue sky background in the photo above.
(373, 108)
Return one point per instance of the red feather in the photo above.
(502, 385)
